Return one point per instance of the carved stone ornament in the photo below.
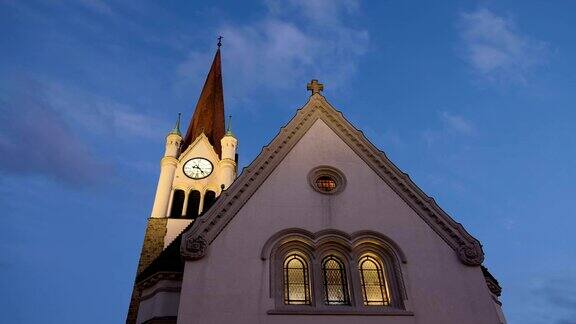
(195, 248)
(470, 255)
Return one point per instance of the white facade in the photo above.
(231, 284)
(233, 271)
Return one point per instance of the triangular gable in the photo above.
(201, 138)
(205, 229)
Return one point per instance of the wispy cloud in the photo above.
(293, 42)
(452, 126)
(45, 129)
(35, 139)
(496, 49)
(101, 115)
(559, 292)
(97, 6)
(430, 137)
(456, 123)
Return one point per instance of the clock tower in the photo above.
(194, 171)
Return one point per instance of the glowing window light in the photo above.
(374, 286)
(326, 183)
(296, 281)
(335, 287)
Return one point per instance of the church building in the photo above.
(320, 227)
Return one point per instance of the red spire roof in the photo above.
(208, 116)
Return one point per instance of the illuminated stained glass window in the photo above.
(335, 287)
(326, 183)
(296, 281)
(374, 286)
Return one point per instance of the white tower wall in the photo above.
(167, 169)
(228, 163)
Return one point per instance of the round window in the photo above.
(326, 183)
(326, 180)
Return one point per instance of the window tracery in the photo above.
(296, 281)
(331, 271)
(335, 283)
(373, 281)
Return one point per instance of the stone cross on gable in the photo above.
(314, 86)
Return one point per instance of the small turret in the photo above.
(173, 140)
(176, 129)
(167, 169)
(228, 163)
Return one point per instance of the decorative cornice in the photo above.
(467, 248)
(158, 276)
(169, 160)
(492, 283)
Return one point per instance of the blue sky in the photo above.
(474, 99)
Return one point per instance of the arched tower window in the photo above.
(296, 281)
(209, 200)
(193, 204)
(177, 203)
(335, 285)
(373, 281)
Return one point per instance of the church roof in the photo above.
(205, 229)
(208, 116)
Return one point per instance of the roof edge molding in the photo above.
(197, 239)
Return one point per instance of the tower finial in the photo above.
(228, 129)
(219, 41)
(176, 129)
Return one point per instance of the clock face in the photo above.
(198, 168)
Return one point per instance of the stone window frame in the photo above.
(278, 276)
(304, 260)
(349, 249)
(344, 284)
(333, 173)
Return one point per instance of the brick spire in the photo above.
(208, 116)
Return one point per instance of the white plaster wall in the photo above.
(162, 300)
(231, 284)
(174, 227)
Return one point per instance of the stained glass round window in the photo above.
(326, 183)
(326, 180)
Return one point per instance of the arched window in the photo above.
(177, 203)
(332, 272)
(296, 281)
(193, 204)
(373, 281)
(335, 285)
(209, 200)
